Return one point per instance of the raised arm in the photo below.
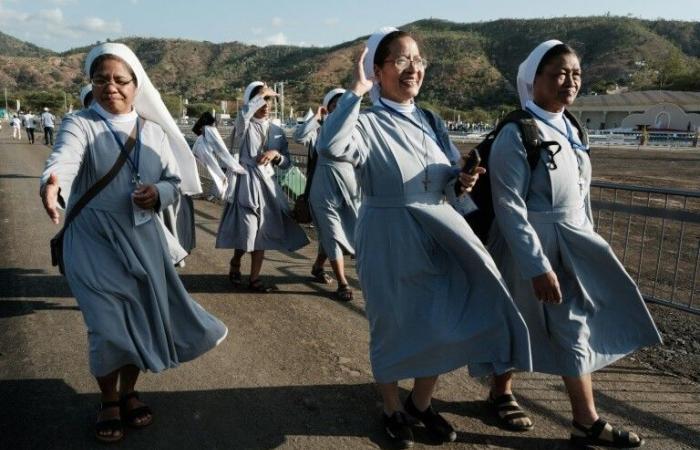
(306, 133)
(342, 136)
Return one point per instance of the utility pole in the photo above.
(282, 101)
(7, 111)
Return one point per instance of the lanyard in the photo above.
(411, 120)
(133, 162)
(569, 135)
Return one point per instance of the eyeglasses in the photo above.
(402, 63)
(102, 82)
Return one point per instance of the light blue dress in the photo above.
(544, 222)
(434, 298)
(256, 217)
(134, 305)
(334, 197)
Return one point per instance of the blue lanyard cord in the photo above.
(412, 121)
(133, 162)
(569, 135)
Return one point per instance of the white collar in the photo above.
(128, 117)
(404, 108)
(549, 115)
(259, 121)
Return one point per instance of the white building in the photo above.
(657, 110)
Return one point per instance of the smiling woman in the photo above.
(424, 273)
(118, 260)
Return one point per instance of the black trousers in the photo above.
(30, 135)
(48, 136)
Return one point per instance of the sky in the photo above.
(60, 25)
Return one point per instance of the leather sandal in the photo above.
(591, 437)
(510, 413)
(112, 425)
(131, 416)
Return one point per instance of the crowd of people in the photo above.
(544, 294)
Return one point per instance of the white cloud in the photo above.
(277, 39)
(98, 25)
(49, 15)
(277, 21)
(331, 21)
(256, 30)
(62, 2)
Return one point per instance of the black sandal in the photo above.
(621, 439)
(234, 274)
(344, 293)
(508, 412)
(131, 415)
(258, 286)
(112, 425)
(320, 275)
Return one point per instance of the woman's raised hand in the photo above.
(361, 85)
(49, 197)
(267, 91)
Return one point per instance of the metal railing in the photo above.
(656, 235)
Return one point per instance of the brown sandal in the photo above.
(344, 293)
(510, 413)
(258, 286)
(320, 275)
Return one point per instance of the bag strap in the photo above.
(105, 180)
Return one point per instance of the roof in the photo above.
(689, 101)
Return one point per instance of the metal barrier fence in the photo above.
(656, 235)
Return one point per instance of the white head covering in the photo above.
(249, 90)
(528, 69)
(150, 106)
(46, 108)
(87, 89)
(372, 44)
(329, 96)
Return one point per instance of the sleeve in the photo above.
(169, 184)
(306, 132)
(66, 158)
(342, 136)
(244, 115)
(216, 143)
(510, 180)
(286, 162)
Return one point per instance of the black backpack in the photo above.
(480, 220)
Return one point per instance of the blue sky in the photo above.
(63, 24)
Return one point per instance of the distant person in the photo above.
(16, 127)
(29, 122)
(582, 309)
(117, 260)
(434, 298)
(210, 150)
(334, 199)
(47, 122)
(256, 216)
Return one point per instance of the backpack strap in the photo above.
(529, 131)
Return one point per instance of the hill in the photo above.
(472, 66)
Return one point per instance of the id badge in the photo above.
(141, 215)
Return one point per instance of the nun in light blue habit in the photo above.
(434, 298)
(334, 199)
(256, 216)
(582, 309)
